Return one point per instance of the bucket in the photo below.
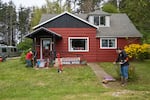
(42, 64)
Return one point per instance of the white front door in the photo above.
(46, 43)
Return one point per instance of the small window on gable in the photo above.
(108, 43)
(78, 44)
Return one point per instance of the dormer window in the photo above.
(101, 21)
(99, 18)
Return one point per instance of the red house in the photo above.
(92, 37)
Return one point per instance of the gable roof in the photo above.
(99, 12)
(42, 23)
(37, 31)
(120, 24)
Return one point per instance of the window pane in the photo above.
(112, 43)
(46, 44)
(11, 49)
(108, 43)
(102, 20)
(15, 50)
(96, 20)
(104, 43)
(79, 44)
(4, 50)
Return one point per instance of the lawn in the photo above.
(75, 83)
(141, 81)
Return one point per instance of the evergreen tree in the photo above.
(24, 21)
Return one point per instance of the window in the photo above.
(78, 44)
(4, 50)
(102, 21)
(108, 43)
(12, 49)
(96, 20)
(99, 20)
(15, 50)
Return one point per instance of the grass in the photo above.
(75, 83)
(142, 72)
(20, 83)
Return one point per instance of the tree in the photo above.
(86, 6)
(50, 8)
(24, 21)
(110, 8)
(53, 7)
(8, 18)
(139, 13)
(36, 15)
(25, 44)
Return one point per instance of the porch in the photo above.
(44, 42)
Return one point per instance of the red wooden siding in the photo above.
(62, 45)
(95, 54)
(104, 55)
(126, 41)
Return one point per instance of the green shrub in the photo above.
(23, 55)
(25, 44)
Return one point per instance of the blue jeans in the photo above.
(124, 71)
(29, 63)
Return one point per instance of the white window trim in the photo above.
(108, 47)
(69, 46)
(107, 21)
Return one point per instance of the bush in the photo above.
(25, 44)
(23, 55)
(137, 51)
(22, 58)
(132, 73)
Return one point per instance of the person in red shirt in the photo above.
(29, 59)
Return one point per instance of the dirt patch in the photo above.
(129, 93)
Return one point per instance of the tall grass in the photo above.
(75, 83)
(20, 83)
(139, 74)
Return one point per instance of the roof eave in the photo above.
(118, 36)
(42, 28)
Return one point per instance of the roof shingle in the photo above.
(120, 25)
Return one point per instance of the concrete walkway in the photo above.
(101, 74)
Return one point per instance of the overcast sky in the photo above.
(27, 3)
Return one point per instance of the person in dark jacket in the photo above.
(122, 59)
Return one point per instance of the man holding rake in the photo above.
(122, 59)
